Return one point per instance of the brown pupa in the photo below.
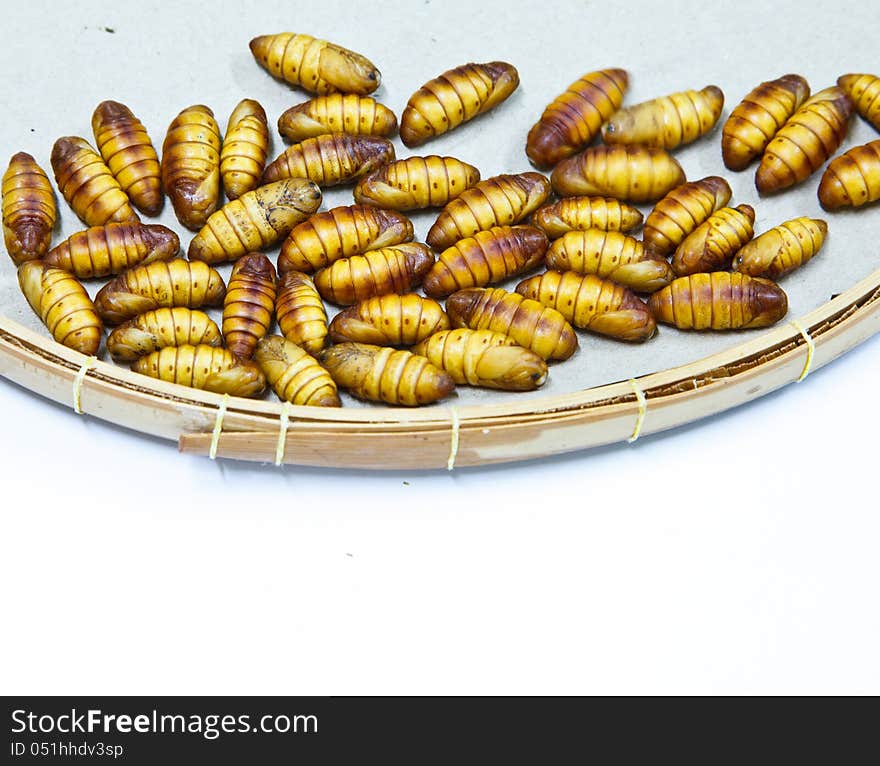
(191, 165)
(126, 147)
(484, 358)
(592, 303)
(682, 210)
(531, 324)
(416, 182)
(758, 117)
(852, 179)
(389, 320)
(573, 119)
(249, 304)
(632, 173)
(87, 183)
(396, 269)
(29, 210)
(666, 122)
(316, 65)
(331, 159)
(337, 113)
(498, 201)
(294, 374)
(719, 301)
(581, 213)
(805, 142)
(383, 374)
(454, 97)
(110, 249)
(486, 258)
(245, 148)
(341, 232)
(712, 245)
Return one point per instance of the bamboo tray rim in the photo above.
(788, 338)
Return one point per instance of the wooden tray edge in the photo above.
(397, 438)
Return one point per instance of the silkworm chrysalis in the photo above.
(484, 358)
(126, 147)
(574, 118)
(316, 65)
(719, 301)
(666, 122)
(29, 210)
(383, 374)
(758, 117)
(454, 97)
(782, 249)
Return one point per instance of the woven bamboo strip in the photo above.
(381, 437)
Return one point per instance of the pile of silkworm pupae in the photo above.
(697, 266)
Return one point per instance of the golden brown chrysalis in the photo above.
(396, 269)
(63, 305)
(758, 117)
(574, 118)
(454, 97)
(719, 301)
(592, 303)
(315, 65)
(191, 165)
(245, 148)
(632, 173)
(498, 201)
(864, 92)
(531, 324)
(484, 358)
(204, 367)
(712, 244)
(331, 159)
(300, 311)
(581, 213)
(416, 183)
(154, 330)
(610, 255)
(159, 284)
(486, 258)
(667, 122)
(257, 220)
(341, 233)
(29, 210)
(294, 374)
(126, 147)
(852, 179)
(249, 304)
(337, 113)
(110, 249)
(389, 320)
(782, 249)
(805, 142)
(87, 183)
(682, 210)
(383, 374)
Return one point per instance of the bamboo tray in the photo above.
(677, 380)
(393, 438)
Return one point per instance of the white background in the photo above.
(737, 555)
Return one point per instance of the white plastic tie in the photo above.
(811, 348)
(453, 439)
(87, 365)
(218, 427)
(643, 410)
(283, 421)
